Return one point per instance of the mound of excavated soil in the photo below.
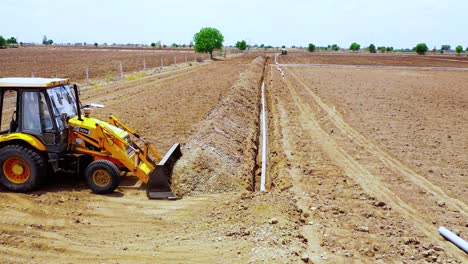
(220, 156)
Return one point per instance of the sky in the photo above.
(397, 23)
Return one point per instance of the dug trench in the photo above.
(223, 157)
(218, 220)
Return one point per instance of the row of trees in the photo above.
(421, 48)
(7, 42)
(444, 48)
(373, 49)
(209, 39)
(158, 45)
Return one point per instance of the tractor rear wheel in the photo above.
(22, 168)
(102, 176)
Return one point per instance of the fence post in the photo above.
(121, 69)
(87, 73)
(185, 58)
(162, 63)
(144, 64)
(175, 60)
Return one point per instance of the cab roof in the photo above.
(32, 82)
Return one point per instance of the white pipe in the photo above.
(450, 236)
(264, 142)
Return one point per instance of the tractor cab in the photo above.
(37, 109)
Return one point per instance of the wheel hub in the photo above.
(16, 170)
(101, 178)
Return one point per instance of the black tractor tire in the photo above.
(102, 176)
(22, 168)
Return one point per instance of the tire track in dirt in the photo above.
(18, 210)
(370, 182)
(311, 126)
(390, 162)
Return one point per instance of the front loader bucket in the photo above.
(159, 182)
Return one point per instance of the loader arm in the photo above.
(144, 162)
(147, 146)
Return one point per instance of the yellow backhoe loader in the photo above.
(50, 131)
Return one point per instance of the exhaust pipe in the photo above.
(160, 179)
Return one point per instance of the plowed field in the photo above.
(377, 59)
(72, 62)
(364, 164)
(378, 157)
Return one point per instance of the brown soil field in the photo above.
(65, 223)
(376, 157)
(363, 166)
(393, 59)
(71, 63)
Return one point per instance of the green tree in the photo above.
(242, 45)
(372, 48)
(311, 47)
(12, 40)
(50, 42)
(354, 46)
(381, 49)
(445, 47)
(459, 49)
(389, 49)
(421, 48)
(174, 45)
(153, 44)
(335, 47)
(96, 44)
(208, 39)
(2, 42)
(283, 47)
(45, 41)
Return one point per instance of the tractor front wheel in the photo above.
(22, 168)
(102, 176)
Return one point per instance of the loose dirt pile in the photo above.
(221, 155)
